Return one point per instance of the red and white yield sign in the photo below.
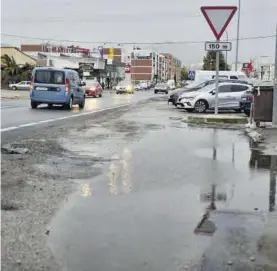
(218, 18)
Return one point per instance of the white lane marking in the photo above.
(62, 118)
(28, 124)
(9, 129)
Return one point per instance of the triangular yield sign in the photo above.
(218, 18)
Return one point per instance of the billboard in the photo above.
(141, 54)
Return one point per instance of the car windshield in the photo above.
(242, 77)
(161, 85)
(50, 77)
(91, 84)
(124, 84)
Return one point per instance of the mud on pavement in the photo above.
(45, 168)
(37, 180)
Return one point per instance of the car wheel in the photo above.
(156, 92)
(201, 106)
(100, 95)
(50, 106)
(116, 92)
(69, 104)
(34, 105)
(82, 104)
(14, 88)
(238, 110)
(166, 92)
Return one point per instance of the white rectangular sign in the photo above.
(218, 46)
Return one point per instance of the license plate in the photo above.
(41, 88)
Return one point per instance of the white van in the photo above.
(171, 84)
(201, 76)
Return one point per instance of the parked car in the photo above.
(161, 87)
(229, 97)
(138, 87)
(125, 87)
(23, 85)
(246, 100)
(173, 98)
(93, 89)
(56, 86)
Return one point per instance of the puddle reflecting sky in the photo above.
(153, 192)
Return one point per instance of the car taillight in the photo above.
(32, 83)
(67, 82)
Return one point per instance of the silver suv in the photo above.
(229, 97)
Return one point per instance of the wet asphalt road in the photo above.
(156, 180)
(18, 112)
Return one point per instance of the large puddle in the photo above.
(158, 179)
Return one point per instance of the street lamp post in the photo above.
(237, 48)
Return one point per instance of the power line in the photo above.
(131, 43)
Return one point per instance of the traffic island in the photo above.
(216, 119)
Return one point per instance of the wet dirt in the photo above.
(135, 184)
(141, 210)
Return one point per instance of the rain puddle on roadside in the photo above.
(242, 240)
(144, 211)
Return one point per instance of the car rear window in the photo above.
(50, 77)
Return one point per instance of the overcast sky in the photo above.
(138, 21)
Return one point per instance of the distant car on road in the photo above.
(125, 87)
(23, 85)
(161, 87)
(56, 86)
(229, 97)
(93, 89)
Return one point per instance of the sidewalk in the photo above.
(14, 94)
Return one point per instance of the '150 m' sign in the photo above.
(218, 46)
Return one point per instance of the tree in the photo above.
(11, 72)
(209, 62)
(9, 64)
(184, 73)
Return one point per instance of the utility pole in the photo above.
(226, 56)
(274, 112)
(237, 48)
(216, 82)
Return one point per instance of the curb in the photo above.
(254, 135)
(215, 120)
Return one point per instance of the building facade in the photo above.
(174, 67)
(20, 57)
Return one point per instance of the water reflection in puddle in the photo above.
(119, 173)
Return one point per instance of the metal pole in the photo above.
(226, 56)
(274, 112)
(237, 48)
(216, 82)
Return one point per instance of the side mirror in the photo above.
(82, 84)
(213, 92)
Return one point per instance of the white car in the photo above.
(23, 85)
(229, 96)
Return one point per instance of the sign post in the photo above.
(218, 18)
